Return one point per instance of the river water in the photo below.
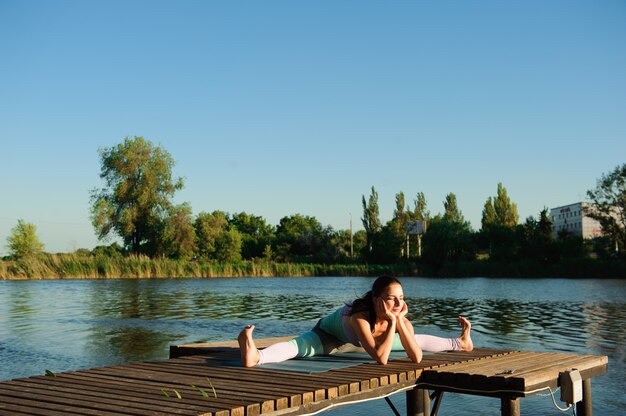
(62, 325)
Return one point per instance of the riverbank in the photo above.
(75, 266)
(80, 266)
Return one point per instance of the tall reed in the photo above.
(81, 266)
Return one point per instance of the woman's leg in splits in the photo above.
(432, 343)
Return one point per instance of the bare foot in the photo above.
(249, 352)
(466, 339)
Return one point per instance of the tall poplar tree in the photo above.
(506, 211)
(419, 211)
(489, 215)
(499, 211)
(452, 212)
(371, 220)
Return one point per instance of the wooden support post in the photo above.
(510, 406)
(417, 402)
(583, 408)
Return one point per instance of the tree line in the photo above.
(135, 205)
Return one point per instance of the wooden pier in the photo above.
(198, 382)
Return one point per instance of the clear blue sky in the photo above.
(283, 107)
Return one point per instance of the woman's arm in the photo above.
(361, 326)
(407, 337)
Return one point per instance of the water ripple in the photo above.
(63, 325)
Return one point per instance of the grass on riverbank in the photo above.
(81, 266)
(76, 266)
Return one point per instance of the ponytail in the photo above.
(365, 304)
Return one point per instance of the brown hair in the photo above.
(366, 302)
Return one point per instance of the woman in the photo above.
(376, 322)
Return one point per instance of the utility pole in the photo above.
(408, 246)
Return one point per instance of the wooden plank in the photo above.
(241, 399)
(18, 406)
(270, 400)
(313, 390)
(43, 403)
(184, 389)
(281, 384)
(86, 390)
(474, 373)
(145, 388)
(81, 399)
(552, 372)
(536, 370)
(470, 367)
(217, 378)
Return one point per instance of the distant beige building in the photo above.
(572, 219)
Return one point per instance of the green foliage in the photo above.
(498, 234)
(256, 234)
(341, 241)
(136, 198)
(301, 238)
(228, 248)
(371, 221)
(452, 213)
(23, 241)
(489, 215)
(499, 211)
(420, 213)
(448, 242)
(209, 229)
(609, 205)
(179, 236)
(389, 244)
(112, 250)
(506, 211)
(359, 241)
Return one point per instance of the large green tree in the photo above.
(452, 213)
(609, 204)
(499, 233)
(228, 247)
(179, 236)
(209, 229)
(396, 244)
(420, 213)
(23, 240)
(256, 234)
(447, 242)
(535, 238)
(371, 220)
(137, 196)
(300, 237)
(499, 211)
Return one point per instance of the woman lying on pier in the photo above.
(376, 322)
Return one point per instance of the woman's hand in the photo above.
(383, 312)
(403, 311)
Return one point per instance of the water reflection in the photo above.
(128, 343)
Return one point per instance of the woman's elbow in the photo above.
(416, 358)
